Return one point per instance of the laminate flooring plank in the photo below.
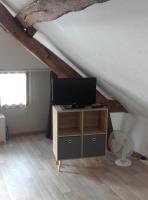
(28, 172)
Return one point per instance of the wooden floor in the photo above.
(28, 172)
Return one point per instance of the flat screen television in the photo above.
(76, 92)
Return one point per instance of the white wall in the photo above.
(13, 56)
(136, 126)
(33, 117)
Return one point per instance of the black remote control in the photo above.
(96, 105)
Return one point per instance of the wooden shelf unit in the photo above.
(79, 133)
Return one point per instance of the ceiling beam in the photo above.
(62, 69)
(54, 62)
(15, 28)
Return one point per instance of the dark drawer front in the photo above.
(94, 145)
(69, 147)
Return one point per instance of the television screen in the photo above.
(81, 91)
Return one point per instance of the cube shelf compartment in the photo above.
(69, 123)
(94, 122)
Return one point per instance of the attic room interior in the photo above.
(73, 100)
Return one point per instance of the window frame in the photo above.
(27, 89)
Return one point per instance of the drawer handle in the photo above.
(94, 140)
(69, 141)
(65, 141)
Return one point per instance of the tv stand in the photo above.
(79, 133)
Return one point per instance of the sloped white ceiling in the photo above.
(16, 5)
(108, 41)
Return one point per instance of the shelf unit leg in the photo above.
(59, 165)
(57, 162)
(99, 160)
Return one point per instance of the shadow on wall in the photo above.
(136, 126)
(128, 123)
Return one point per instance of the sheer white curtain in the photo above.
(13, 89)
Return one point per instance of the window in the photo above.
(13, 89)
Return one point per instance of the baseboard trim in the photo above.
(137, 155)
(27, 133)
(2, 142)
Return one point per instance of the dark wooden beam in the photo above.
(54, 62)
(48, 57)
(114, 106)
(31, 31)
